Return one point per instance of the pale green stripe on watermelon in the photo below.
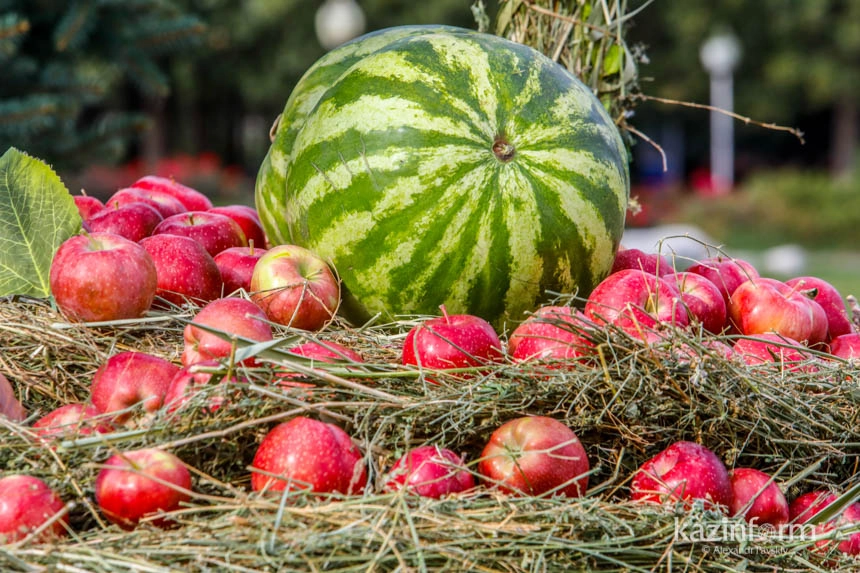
(392, 175)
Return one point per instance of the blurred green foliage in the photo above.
(806, 207)
(65, 67)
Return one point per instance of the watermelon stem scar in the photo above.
(503, 150)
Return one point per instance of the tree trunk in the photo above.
(843, 147)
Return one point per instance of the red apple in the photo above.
(725, 272)
(189, 381)
(237, 267)
(248, 219)
(703, 300)
(185, 270)
(451, 341)
(10, 406)
(653, 263)
(637, 302)
(295, 287)
(87, 205)
(304, 453)
(767, 348)
(757, 498)
(140, 484)
(26, 504)
(129, 378)
(192, 199)
(322, 351)
(846, 346)
(326, 351)
(166, 205)
(70, 420)
(803, 508)
(102, 276)
(233, 316)
(826, 295)
(683, 472)
(535, 455)
(215, 232)
(430, 471)
(134, 221)
(551, 333)
(766, 305)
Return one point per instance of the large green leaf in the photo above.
(37, 213)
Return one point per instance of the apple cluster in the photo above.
(687, 471)
(160, 243)
(761, 319)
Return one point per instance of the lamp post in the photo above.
(338, 21)
(720, 55)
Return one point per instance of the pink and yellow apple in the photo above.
(295, 287)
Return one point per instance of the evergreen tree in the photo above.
(67, 66)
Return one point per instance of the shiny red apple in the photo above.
(451, 341)
(304, 453)
(551, 333)
(191, 199)
(130, 378)
(140, 484)
(766, 305)
(27, 504)
(101, 277)
(247, 219)
(725, 272)
(535, 455)
(166, 205)
(185, 271)
(637, 302)
(236, 265)
(757, 498)
(430, 471)
(684, 471)
(69, 420)
(87, 205)
(638, 259)
(830, 299)
(134, 221)
(232, 316)
(214, 231)
(702, 299)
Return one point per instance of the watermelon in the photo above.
(436, 165)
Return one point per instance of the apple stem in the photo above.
(251, 246)
(807, 292)
(445, 313)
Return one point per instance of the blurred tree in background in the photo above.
(800, 66)
(226, 99)
(66, 67)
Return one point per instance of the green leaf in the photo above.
(37, 213)
(612, 60)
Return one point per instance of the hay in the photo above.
(626, 404)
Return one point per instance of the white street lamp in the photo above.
(720, 55)
(338, 21)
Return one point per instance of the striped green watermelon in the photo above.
(436, 165)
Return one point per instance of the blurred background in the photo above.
(109, 90)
